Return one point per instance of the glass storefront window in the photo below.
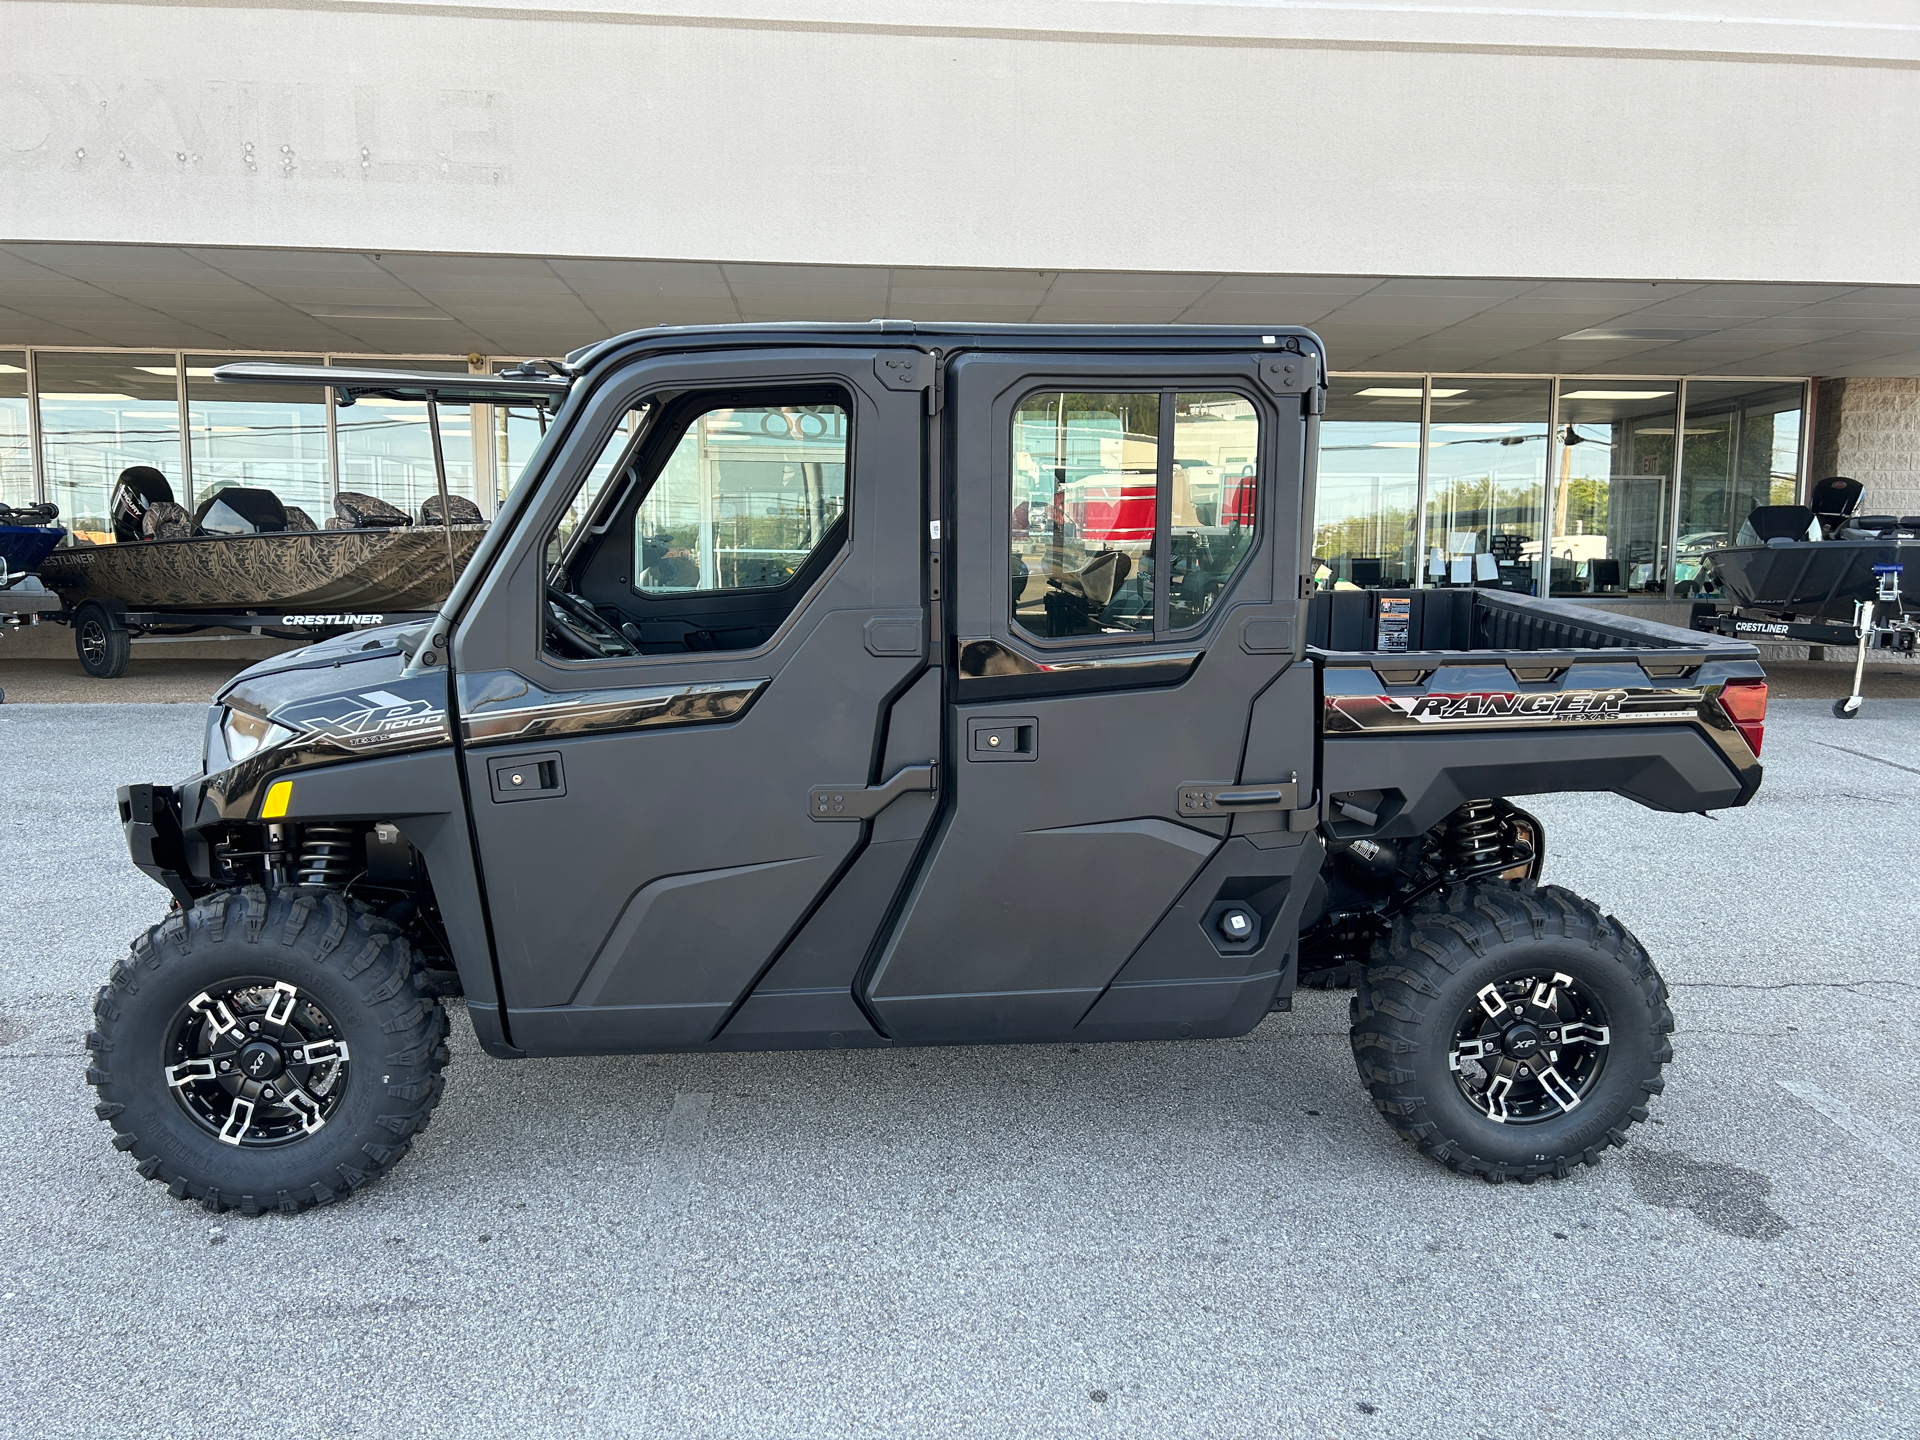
(1363, 532)
(1740, 449)
(1486, 481)
(386, 450)
(16, 436)
(267, 437)
(1611, 493)
(100, 415)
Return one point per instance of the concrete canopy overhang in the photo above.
(324, 301)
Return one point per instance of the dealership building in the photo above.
(1594, 281)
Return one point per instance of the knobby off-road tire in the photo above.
(1414, 1006)
(351, 969)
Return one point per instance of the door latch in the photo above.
(863, 802)
(526, 777)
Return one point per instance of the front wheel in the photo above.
(267, 1051)
(1512, 1031)
(1847, 708)
(103, 646)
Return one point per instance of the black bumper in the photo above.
(150, 814)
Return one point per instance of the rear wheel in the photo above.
(102, 645)
(267, 1052)
(1511, 1031)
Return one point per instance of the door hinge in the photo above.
(911, 370)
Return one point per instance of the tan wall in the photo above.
(1870, 429)
(1756, 143)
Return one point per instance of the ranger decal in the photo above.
(1496, 709)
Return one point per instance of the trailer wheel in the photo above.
(102, 644)
(267, 1051)
(1512, 1031)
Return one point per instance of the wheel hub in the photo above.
(1521, 1042)
(260, 1060)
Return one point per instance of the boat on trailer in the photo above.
(244, 560)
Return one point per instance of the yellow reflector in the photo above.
(278, 798)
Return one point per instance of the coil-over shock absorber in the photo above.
(326, 856)
(1475, 837)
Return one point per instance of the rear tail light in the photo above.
(1745, 702)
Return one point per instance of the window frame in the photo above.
(1162, 548)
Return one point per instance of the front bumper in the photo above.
(160, 846)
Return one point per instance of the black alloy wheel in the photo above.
(1511, 1030)
(1530, 1047)
(103, 647)
(256, 1063)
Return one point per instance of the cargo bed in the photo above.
(1485, 693)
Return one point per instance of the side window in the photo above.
(746, 497)
(1110, 489)
(1216, 439)
(1086, 492)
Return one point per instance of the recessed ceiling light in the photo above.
(1613, 394)
(194, 372)
(1404, 392)
(12, 370)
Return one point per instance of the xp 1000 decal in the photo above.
(1495, 709)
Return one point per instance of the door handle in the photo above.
(863, 802)
(1237, 799)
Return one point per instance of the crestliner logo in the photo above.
(333, 619)
(1761, 627)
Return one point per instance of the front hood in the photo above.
(354, 660)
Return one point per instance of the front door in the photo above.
(710, 614)
(1127, 583)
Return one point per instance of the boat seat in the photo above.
(1776, 522)
(165, 520)
(354, 511)
(1836, 495)
(298, 519)
(463, 510)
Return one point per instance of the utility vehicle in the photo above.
(787, 704)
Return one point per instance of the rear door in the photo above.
(738, 613)
(1126, 553)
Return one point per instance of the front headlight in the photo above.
(246, 735)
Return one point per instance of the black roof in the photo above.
(1117, 338)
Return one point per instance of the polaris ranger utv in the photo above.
(891, 684)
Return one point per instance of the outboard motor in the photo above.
(238, 510)
(138, 488)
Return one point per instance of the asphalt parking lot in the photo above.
(1205, 1238)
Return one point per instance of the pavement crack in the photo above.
(1861, 754)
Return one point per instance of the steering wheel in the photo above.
(579, 630)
